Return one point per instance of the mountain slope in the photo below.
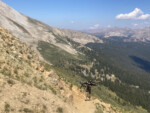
(132, 58)
(26, 86)
(31, 31)
(90, 65)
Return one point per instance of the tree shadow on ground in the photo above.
(143, 64)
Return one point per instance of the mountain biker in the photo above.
(88, 86)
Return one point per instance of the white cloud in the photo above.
(137, 14)
(144, 17)
(135, 25)
(108, 26)
(72, 22)
(96, 26)
(141, 25)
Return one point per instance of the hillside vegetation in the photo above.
(85, 66)
(28, 85)
(130, 63)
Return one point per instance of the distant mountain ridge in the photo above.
(126, 34)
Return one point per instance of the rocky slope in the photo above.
(31, 31)
(25, 85)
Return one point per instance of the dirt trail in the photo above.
(82, 105)
(88, 106)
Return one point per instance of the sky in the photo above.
(86, 14)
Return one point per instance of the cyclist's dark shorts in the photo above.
(88, 90)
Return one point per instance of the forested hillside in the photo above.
(90, 64)
(130, 63)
